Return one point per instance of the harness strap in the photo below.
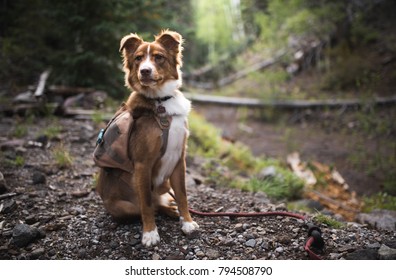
(164, 124)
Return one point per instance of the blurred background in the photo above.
(293, 56)
(342, 47)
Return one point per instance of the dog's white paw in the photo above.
(189, 227)
(150, 238)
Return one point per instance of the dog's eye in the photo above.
(159, 58)
(138, 58)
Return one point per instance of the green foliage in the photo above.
(379, 127)
(219, 24)
(231, 164)
(15, 161)
(380, 200)
(282, 20)
(348, 70)
(78, 40)
(62, 156)
(97, 117)
(327, 220)
(20, 130)
(52, 131)
(204, 138)
(283, 186)
(19, 161)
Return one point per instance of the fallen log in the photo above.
(85, 114)
(287, 104)
(255, 67)
(68, 91)
(235, 76)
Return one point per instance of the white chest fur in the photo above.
(178, 107)
(177, 134)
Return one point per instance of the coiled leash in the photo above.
(314, 240)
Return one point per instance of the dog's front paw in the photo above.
(150, 238)
(189, 227)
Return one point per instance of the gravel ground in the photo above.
(56, 214)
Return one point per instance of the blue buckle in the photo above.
(100, 137)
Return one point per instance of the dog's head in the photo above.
(150, 67)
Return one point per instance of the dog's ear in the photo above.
(130, 43)
(170, 40)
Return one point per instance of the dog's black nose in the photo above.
(145, 71)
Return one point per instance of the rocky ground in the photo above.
(48, 212)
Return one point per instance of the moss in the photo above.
(285, 185)
(327, 220)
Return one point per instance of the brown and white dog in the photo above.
(152, 71)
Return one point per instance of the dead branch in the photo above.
(41, 84)
(234, 76)
(7, 195)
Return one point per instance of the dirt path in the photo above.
(332, 145)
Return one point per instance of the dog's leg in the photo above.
(177, 181)
(166, 202)
(142, 181)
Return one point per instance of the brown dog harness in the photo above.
(112, 145)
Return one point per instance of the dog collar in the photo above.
(160, 110)
(160, 99)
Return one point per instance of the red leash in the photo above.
(315, 239)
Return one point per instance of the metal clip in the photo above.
(100, 137)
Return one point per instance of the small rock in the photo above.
(212, 253)
(386, 253)
(38, 178)
(77, 210)
(113, 244)
(134, 242)
(281, 207)
(347, 248)
(375, 245)
(8, 206)
(279, 250)
(267, 172)
(31, 219)
(380, 219)
(265, 245)
(23, 234)
(334, 256)
(200, 254)
(228, 241)
(295, 230)
(251, 243)
(238, 227)
(82, 253)
(35, 254)
(156, 257)
(363, 254)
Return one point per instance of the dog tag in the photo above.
(161, 109)
(164, 122)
